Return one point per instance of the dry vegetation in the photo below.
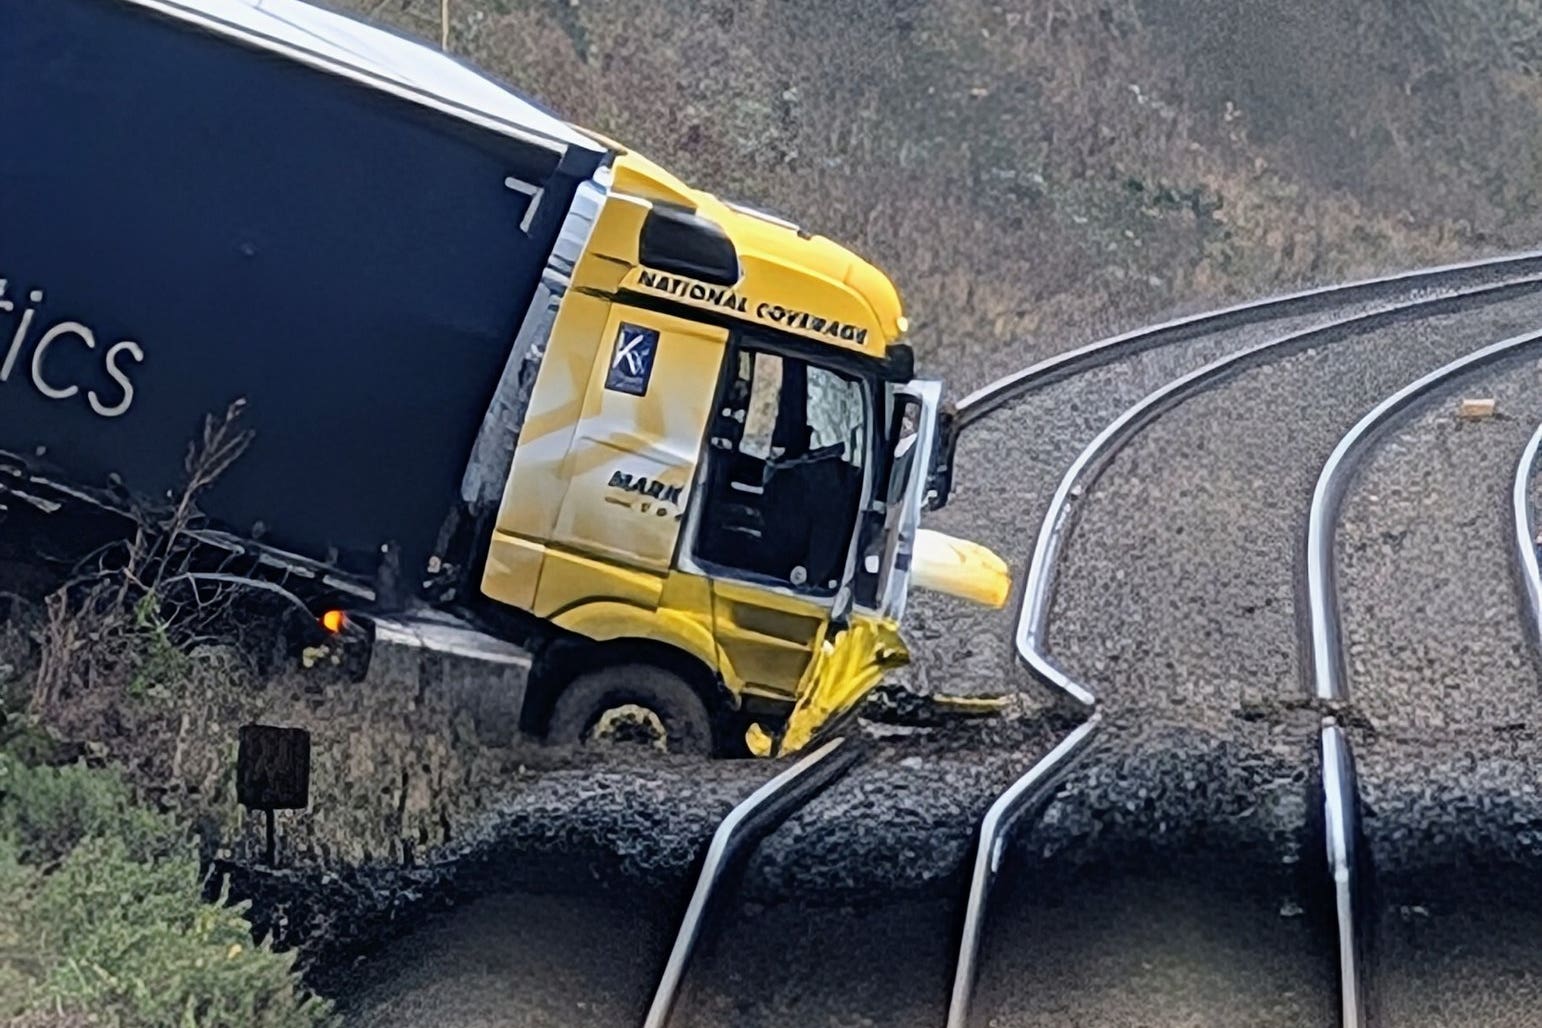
(1043, 170)
(147, 658)
(126, 639)
(103, 918)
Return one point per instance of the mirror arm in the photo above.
(939, 483)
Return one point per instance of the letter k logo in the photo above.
(629, 348)
(631, 360)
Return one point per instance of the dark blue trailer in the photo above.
(206, 200)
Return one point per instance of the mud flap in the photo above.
(845, 669)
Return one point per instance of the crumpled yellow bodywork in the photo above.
(843, 671)
(846, 667)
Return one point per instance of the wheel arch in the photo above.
(606, 634)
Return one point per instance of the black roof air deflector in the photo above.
(682, 242)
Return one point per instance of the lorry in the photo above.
(505, 379)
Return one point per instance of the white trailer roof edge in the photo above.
(399, 66)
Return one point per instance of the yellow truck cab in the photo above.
(721, 469)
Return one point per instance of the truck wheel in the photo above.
(632, 701)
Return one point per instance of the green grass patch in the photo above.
(102, 918)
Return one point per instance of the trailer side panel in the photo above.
(185, 221)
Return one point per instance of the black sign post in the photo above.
(273, 772)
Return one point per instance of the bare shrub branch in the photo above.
(114, 619)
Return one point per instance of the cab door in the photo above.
(603, 473)
(787, 470)
(910, 470)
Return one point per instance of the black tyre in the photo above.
(596, 702)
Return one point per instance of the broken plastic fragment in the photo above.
(757, 740)
(960, 568)
(982, 706)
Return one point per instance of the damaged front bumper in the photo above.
(848, 664)
(845, 668)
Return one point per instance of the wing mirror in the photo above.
(939, 483)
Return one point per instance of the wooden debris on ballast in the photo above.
(1476, 409)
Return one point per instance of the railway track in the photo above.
(1435, 667)
(741, 831)
(1138, 696)
(1195, 850)
(1044, 415)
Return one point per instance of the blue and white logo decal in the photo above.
(631, 360)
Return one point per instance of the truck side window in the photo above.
(785, 473)
(760, 416)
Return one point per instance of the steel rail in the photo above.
(1038, 594)
(1073, 362)
(1030, 792)
(1341, 820)
(1526, 539)
(1340, 790)
(1328, 680)
(732, 843)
